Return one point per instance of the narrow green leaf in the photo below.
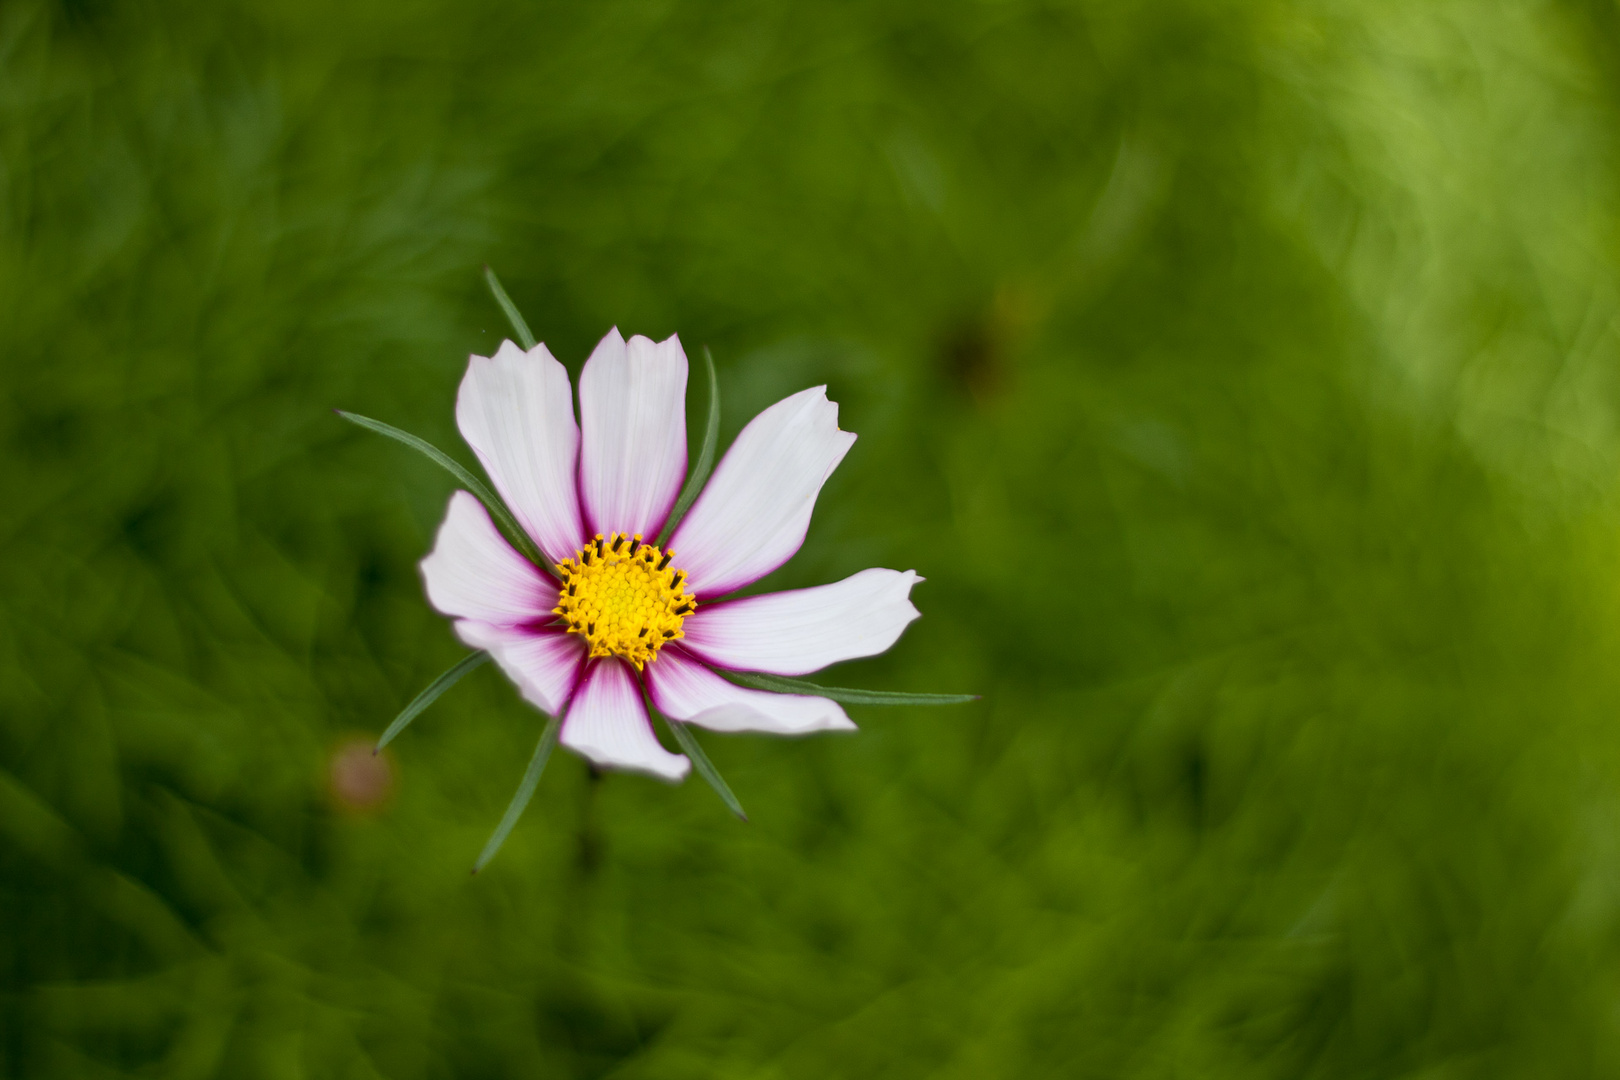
(431, 694)
(848, 697)
(521, 328)
(525, 792)
(705, 767)
(705, 460)
(492, 503)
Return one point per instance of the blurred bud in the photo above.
(359, 781)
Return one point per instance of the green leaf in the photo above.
(705, 767)
(492, 503)
(849, 697)
(705, 461)
(515, 317)
(525, 792)
(431, 694)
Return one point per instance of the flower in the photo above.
(619, 614)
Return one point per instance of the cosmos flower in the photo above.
(614, 614)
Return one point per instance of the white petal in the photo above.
(686, 690)
(473, 573)
(517, 413)
(544, 664)
(607, 723)
(753, 514)
(792, 633)
(632, 409)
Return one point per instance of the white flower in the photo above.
(593, 496)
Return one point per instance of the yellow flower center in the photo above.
(624, 597)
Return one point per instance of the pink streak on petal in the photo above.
(516, 411)
(544, 664)
(804, 630)
(755, 510)
(632, 406)
(684, 689)
(607, 723)
(473, 573)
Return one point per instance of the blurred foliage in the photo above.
(1241, 376)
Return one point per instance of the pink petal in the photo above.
(686, 690)
(792, 633)
(608, 724)
(632, 408)
(753, 514)
(473, 573)
(517, 413)
(543, 663)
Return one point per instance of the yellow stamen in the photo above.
(624, 597)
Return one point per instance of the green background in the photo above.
(1242, 377)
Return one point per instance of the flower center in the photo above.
(623, 597)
